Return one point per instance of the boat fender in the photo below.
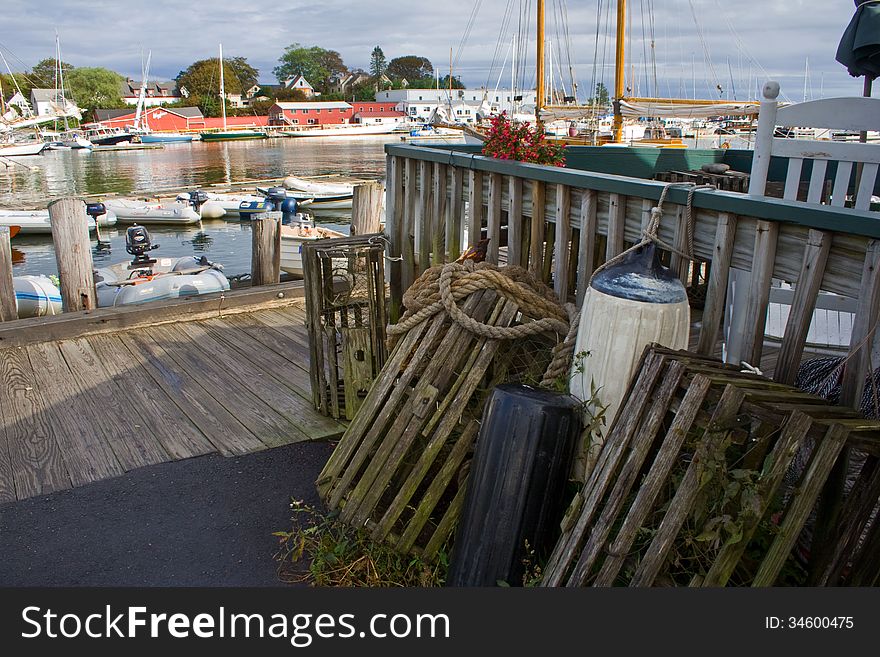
(631, 303)
(715, 167)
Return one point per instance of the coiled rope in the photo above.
(440, 288)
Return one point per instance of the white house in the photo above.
(299, 82)
(18, 101)
(420, 104)
(50, 101)
(157, 93)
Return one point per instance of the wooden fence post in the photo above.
(366, 208)
(73, 254)
(266, 254)
(8, 307)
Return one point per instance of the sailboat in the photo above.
(141, 128)
(226, 134)
(627, 106)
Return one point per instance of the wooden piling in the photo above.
(8, 307)
(73, 254)
(366, 208)
(266, 249)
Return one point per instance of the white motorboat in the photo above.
(36, 296)
(130, 211)
(342, 130)
(36, 222)
(146, 279)
(294, 236)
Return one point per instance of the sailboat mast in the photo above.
(222, 89)
(618, 70)
(539, 95)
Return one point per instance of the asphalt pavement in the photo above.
(206, 521)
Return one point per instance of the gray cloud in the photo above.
(747, 40)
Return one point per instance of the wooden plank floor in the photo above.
(87, 408)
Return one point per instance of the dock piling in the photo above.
(366, 208)
(8, 307)
(70, 236)
(266, 255)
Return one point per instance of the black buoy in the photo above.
(516, 487)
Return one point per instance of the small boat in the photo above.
(293, 237)
(222, 206)
(36, 296)
(341, 130)
(318, 201)
(147, 279)
(36, 222)
(107, 136)
(233, 135)
(142, 212)
(321, 188)
(22, 149)
(164, 138)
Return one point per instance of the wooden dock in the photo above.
(87, 396)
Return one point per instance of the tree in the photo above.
(315, 64)
(43, 72)
(377, 64)
(410, 67)
(202, 78)
(601, 98)
(93, 88)
(290, 95)
(444, 83)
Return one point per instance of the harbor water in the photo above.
(147, 173)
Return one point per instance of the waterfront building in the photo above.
(157, 93)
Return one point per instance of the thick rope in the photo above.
(439, 289)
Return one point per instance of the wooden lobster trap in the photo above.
(346, 318)
(709, 478)
(401, 468)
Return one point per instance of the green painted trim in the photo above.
(821, 217)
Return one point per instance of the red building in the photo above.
(178, 119)
(310, 113)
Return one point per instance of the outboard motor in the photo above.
(288, 211)
(95, 210)
(248, 209)
(138, 243)
(197, 199)
(276, 196)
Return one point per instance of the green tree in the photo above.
(410, 67)
(93, 88)
(377, 64)
(43, 72)
(202, 78)
(602, 97)
(320, 67)
(444, 83)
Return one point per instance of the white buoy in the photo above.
(627, 306)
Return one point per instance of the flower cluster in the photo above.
(520, 141)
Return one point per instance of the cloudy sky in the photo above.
(698, 43)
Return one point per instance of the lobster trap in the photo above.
(346, 318)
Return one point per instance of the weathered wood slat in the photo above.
(801, 313)
(803, 500)
(616, 220)
(475, 207)
(8, 305)
(423, 223)
(515, 222)
(759, 291)
(716, 288)
(394, 222)
(604, 472)
(438, 213)
(218, 425)
(122, 427)
(493, 217)
(537, 229)
(456, 216)
(867, 313)
(88, 457)
(642, 442)
(35, 462)
(563, 237)
(161, 415)
(408, 229)
(587, 242)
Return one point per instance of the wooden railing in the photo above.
(561, 224)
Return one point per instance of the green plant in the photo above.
(322, 550)
(520, 141)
